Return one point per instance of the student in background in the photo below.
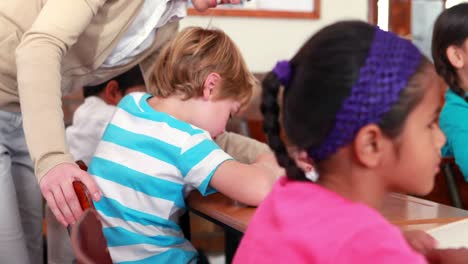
(91, 118)
(362, 103)
(450, 53)
(83, 135)
(158, 147)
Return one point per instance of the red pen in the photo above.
(219, 2)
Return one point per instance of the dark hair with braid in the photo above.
(323, 73)
(450, 28)
(126, 80)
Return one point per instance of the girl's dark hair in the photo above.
(450, 28)
(323, 72)
(126, 80)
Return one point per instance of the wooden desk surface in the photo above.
(222, 209)
(405, 211)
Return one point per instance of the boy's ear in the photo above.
(369, 145)
(210, 86)
(112, 93)
(455, 57)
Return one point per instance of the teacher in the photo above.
(49, 48)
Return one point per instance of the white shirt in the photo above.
(89, 122)
(141, 33)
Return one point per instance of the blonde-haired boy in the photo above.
(159, 146)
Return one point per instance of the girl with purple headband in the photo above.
(363, 104)
(450, 53)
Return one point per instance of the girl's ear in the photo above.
(369, 145)
(455, 57)
(211, 85)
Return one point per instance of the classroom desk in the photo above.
(405, 211)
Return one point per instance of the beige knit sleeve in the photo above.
(38, 58)
(241, 148)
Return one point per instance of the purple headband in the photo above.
(283, 72)
(389, 65)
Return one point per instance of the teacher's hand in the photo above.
(203, 5)
(57, 188)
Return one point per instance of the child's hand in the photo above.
(420, 241)
(448, 256)
(302, 159)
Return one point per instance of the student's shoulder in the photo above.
(358, 219)
(135, 99)
(308, 198)
(375, 239)
(85, 113)
(455, 108)
(349, 222)
(454, 102)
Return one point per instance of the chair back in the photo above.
(450, 187)
(81, 191)
(88, 242)
(454, 180)
(83, 195)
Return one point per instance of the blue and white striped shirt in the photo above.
(146, 164)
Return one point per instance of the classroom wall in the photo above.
(264, 41)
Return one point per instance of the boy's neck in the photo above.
(183, 110)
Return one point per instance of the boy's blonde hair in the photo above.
(185, 62)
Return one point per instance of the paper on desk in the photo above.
(451, 235)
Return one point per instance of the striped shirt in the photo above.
(145, 164)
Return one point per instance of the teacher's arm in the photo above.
(39, 57)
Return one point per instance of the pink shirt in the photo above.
(301, 222)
